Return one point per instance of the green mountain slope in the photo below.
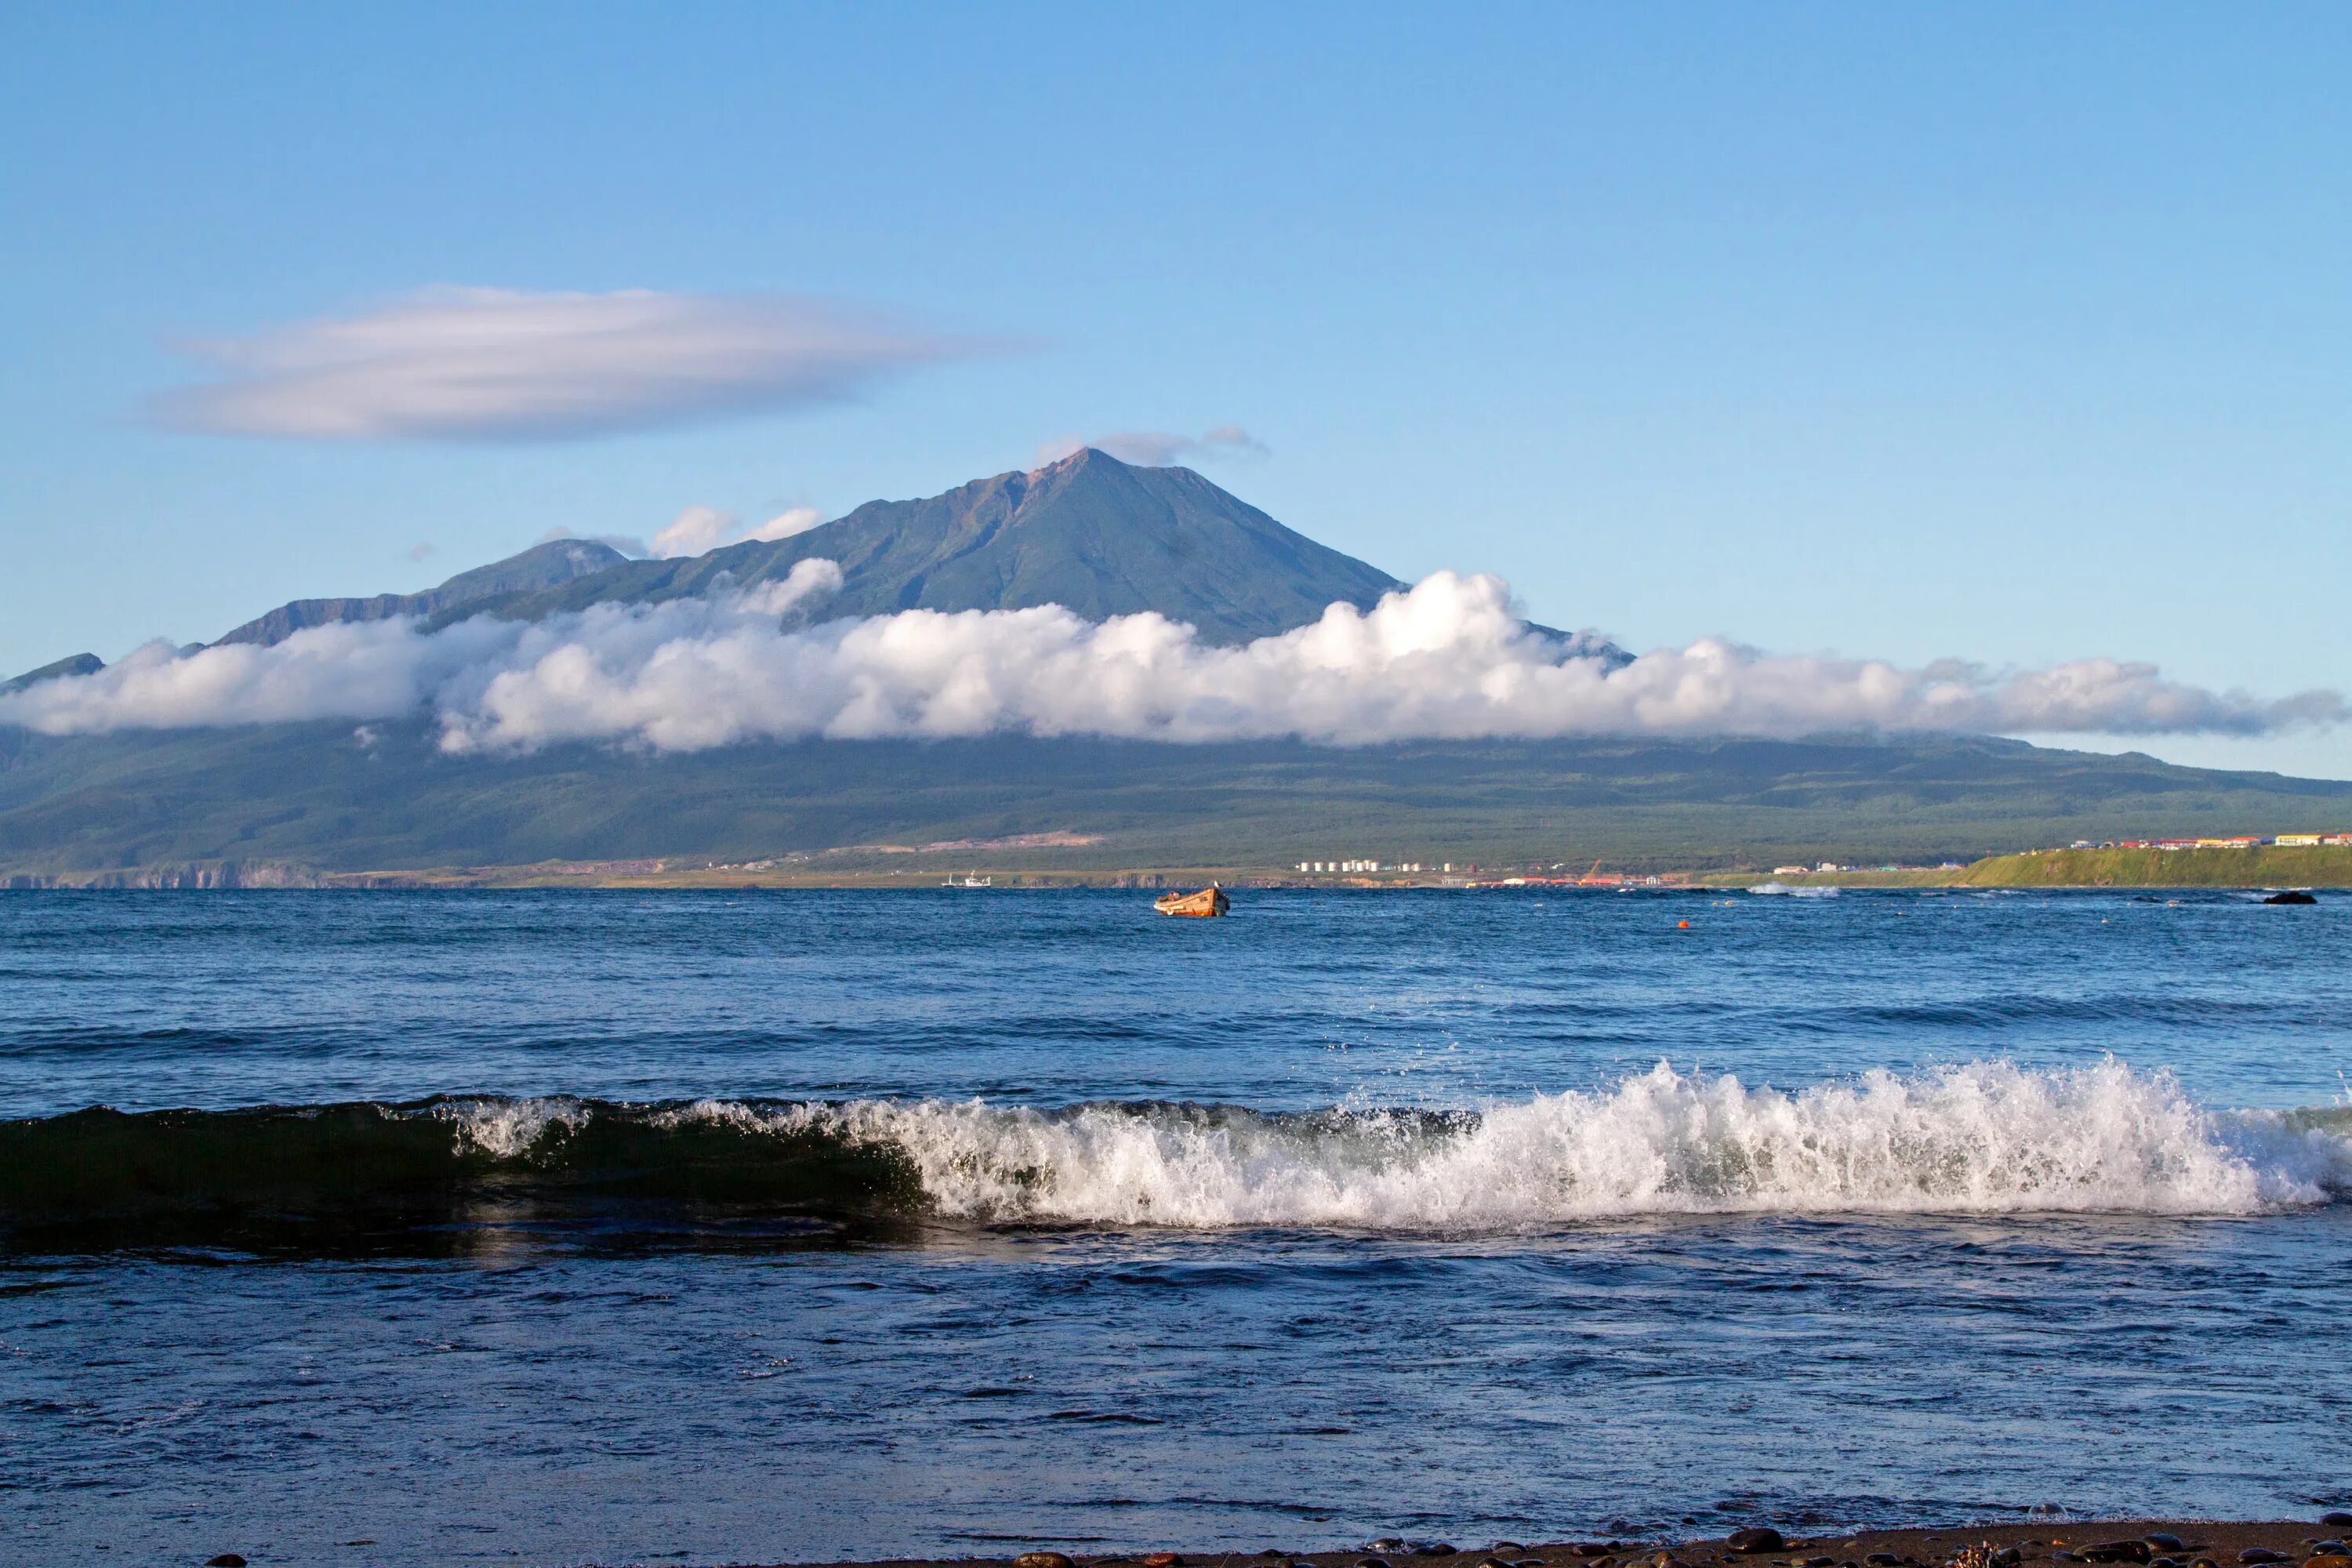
(1099, 536)
(75, 664)
(541, 567)
(324, 795)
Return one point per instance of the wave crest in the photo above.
(1980, 1137)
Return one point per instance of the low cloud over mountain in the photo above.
(1445, 660)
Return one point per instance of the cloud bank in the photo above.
(1445, 660)
(485, 364)
(1158, 449)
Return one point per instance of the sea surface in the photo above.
(569, 1228)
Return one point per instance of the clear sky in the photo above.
(2016, 334)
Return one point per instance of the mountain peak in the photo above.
(73, 664)
(1084, 457)
(544, 565)
(1087, 532)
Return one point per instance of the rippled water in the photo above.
(552, 1227)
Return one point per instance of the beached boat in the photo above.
(1210, 901)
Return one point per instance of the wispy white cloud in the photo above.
(693, 530)
(1445, 660)
(627, 543)
(1158, 449)
(475, 364)
(698, 530)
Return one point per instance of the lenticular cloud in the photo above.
(1445, 660)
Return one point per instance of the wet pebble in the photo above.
(1433, 1549)
(2261, 1554)
(1756, 1538)
(2164, 1542)
(1162, 1560)
(1883, 1559)
(1507, 1549)
(1043, 1559)
(1371, 1563)
(2338, 1516)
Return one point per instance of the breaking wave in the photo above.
(1980, 1137)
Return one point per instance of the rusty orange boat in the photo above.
(1209, 901)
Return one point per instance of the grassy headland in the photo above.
(2267, 866)
(2325, 865)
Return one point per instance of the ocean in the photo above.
(609, 1227)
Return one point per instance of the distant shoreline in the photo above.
(2326, 866)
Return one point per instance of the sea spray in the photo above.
(1981, 1138)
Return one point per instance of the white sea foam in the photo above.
(505, 1128)
(1983, 1138)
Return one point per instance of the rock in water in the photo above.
(225, 1559)
(2292, 896)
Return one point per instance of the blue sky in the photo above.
(2013, 333)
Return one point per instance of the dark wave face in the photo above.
(423, 1175)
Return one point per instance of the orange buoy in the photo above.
(1681, 926)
